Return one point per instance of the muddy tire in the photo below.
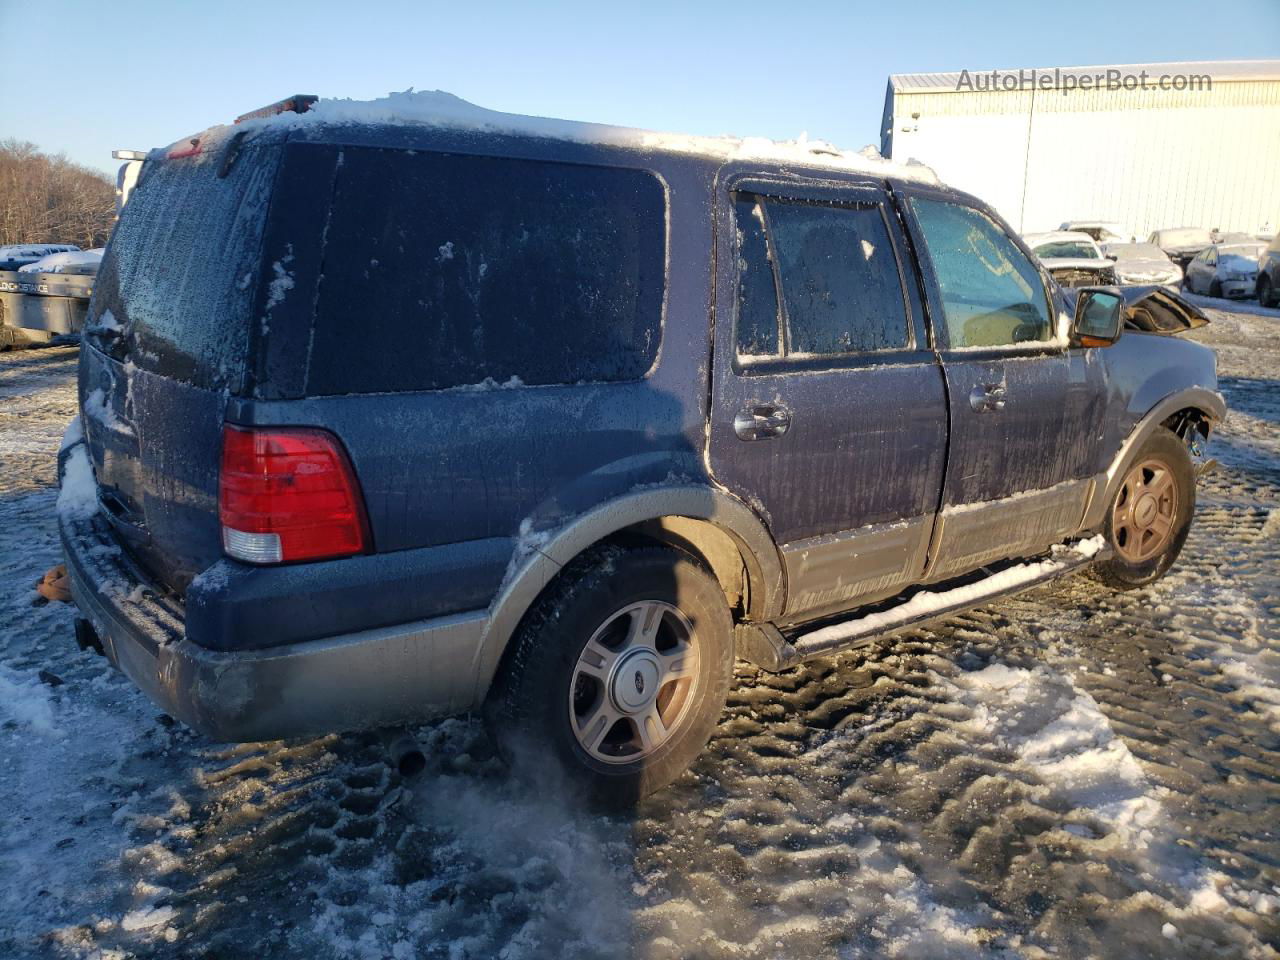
(617, 676)
(1149, 519)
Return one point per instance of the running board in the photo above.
(766, 646)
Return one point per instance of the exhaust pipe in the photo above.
(403, 751)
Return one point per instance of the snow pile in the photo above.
(96, 405)
(72, 435)
(25, 701)
(105, 322)
(78, 498)
(1060, 734)
(78, 261)
(437, 108)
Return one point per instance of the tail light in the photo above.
(287, 494)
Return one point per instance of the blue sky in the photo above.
(86, 77)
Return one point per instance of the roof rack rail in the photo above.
(298, 103)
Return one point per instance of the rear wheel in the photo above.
(619, 673)
(1151, 514)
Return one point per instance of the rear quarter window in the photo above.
(444, 270)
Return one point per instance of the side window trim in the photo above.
(939, 334)
(784, 323)
(836, 194)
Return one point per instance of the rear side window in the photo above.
(841, 288)
(448, 270)
(992, 295)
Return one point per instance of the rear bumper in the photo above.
(374, 678)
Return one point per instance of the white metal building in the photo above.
(1190, 144)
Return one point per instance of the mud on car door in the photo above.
(828, 407)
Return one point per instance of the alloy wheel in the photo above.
(634, 682)
(1145, 512)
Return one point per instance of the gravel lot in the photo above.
(1070, 773)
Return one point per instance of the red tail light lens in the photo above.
(288, 494)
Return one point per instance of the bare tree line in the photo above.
(49, 199)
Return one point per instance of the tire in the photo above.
(1215, 290)
(1264, 290)
(581, 687)
(1148, 521)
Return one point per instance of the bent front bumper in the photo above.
(391, 675)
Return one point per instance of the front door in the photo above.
(829, 409)
(1025, 411)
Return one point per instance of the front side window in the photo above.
(992, 295)
(841, 289)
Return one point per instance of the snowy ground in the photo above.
(1071, 773)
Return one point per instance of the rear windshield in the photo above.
(1183, 238)
(1136, 251)
(176, 284)
(444, 270)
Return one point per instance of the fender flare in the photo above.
(538, 563)
(1209, 402)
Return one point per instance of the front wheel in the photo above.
(1264, 290)
(1151, 514)
(618, 674)
(1215, 290)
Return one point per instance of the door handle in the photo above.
(762, 422)
(987, 396)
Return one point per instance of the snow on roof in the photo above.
(437, 108)
(1222, 71)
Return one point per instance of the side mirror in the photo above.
(1112, 256)
(1099, 317)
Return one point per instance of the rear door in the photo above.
(167, 343)
(828, 408)
(1026, 412)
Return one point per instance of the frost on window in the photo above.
(179, 273)
(839, 298)
(490, 268)
(757, 322)
(992, 294)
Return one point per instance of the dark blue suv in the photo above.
(387, 419)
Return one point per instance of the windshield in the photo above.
(1243, 251)
(1067, 249)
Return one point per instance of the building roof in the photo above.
(1222, 71)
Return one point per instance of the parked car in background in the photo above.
(1103, 231)
(1268, 288)
(1142, 263)
(1181, 244)
(15, 255)
(82, 263)
(593, 438)
(1073, 259)
(1225, 270)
